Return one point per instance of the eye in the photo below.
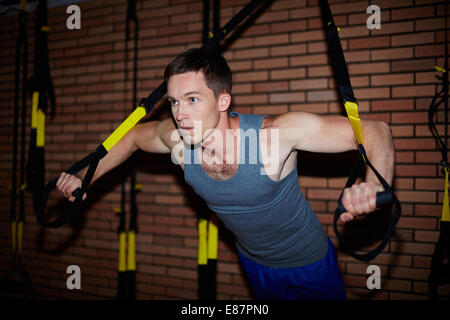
(193, 99)
(173, 102)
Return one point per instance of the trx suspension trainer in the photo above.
(41, 86)
(348, 99)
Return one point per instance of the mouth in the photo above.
(186, 129)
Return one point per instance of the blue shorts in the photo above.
(321, 280)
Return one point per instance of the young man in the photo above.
(245, 168)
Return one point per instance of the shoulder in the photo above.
(292, 120)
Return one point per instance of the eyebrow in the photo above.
(186, 94)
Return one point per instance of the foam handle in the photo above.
(384, 198)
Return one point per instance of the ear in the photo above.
(224, 101)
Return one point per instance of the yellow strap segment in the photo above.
(131, 251)
(40, 133)
(34, 110)
(45, 29)
(352, 113)
(440, 69)
(19, 237)
(23, 5)
(445, 208)
(126, 126)
(122, 253)
(202, 244)
(13, 236)
(213, 237)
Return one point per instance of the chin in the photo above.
(190, 140)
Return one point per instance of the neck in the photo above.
(216, 144)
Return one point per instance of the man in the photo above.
(245, 168)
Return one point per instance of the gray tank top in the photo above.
(273, 223)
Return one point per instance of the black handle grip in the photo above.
(41, 198)
(384, 198)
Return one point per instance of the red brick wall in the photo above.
(280, 64)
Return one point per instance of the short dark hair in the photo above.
(214, 67)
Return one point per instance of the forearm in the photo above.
(121, 151)
(380, 150)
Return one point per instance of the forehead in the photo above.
(187, 82)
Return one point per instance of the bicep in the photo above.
(318, 133)
(154, 136)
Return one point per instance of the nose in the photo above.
(181, 113)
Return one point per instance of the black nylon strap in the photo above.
(346, 94)
(41, 197)
(40, 82)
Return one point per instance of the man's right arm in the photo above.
(152, 136)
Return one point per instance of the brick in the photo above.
(412, 13)
(308, 60)
(287, 97)
(252, 53)
(394, 27)
(412, 248)
(391, 54)
(324, 95)
(305, 13)
(308, 84)
(368, 68)
(392, 105)
(414, 144)
(414, 170)
(429, 24)
(271, 86)
(369, 43)
(417, 223)
(271, 63)
(416, 196)
(412, 39)
(306, 36)
(289, 26)
(250, 99)
(402, 131)
(428, 157)
(287, 50)
(273, 109)
(251, 76)
(426, 236)
(291, 73)
(271, 40)
(409, 117)
(394, 79)
(372, 93)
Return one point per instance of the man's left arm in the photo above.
(332, 134)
